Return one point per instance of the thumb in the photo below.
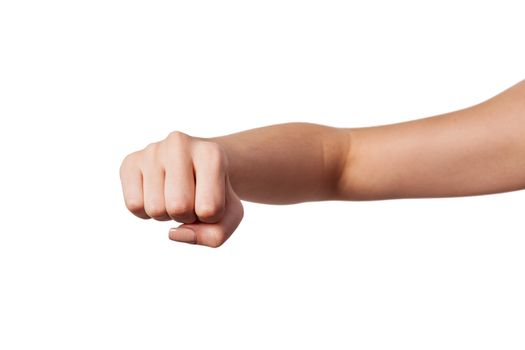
(212, 234)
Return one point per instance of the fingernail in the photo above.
(183, 234)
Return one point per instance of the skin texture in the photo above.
(473, 151)
(183, 179)
(200, 182)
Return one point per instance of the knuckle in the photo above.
(177, 137)
(175, 143)
(128, 161)
(155, 210)
(209, 211)
(151, 148)
(152, 153)
(134, 205)
(179, 209)
(125, 162)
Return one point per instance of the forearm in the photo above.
(199, 181)
(285, 163)
(478, 150)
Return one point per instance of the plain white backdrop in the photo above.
(83, 83)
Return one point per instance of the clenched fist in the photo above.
(185, 179)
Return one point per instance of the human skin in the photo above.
(200, 182)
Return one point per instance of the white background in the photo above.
(83, 83)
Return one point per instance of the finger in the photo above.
(131, 180)
(212, 235)
(153, 182)
(210, 182)
(179, 188)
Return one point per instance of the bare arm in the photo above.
(477, 150)
(286, 163)
(199, 181)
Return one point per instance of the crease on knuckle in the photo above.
(209, 211)
(134, 205)
(155, 210)
(179, 209)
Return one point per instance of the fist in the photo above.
(185, 179)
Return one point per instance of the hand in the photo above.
(185, 179)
